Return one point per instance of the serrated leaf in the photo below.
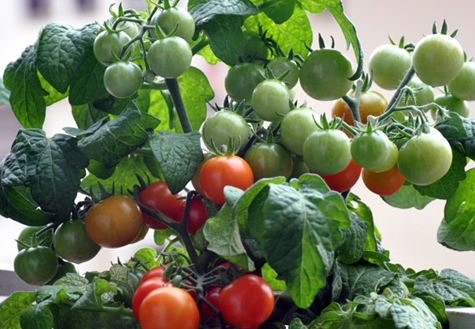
(110, 141)
(299, 231)
(60, 51)
(178, 156)
(39, 316)
(294, 34)
(354, 240)
(460, 133)
(27, 95)
(222, 234)
(50, 167)
(12, 308)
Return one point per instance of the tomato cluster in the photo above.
(245, 302)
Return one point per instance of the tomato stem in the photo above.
(397, 95)
(174, 89)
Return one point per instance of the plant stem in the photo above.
(174, 89)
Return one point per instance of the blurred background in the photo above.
(410, 235)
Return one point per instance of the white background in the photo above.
(410, 235)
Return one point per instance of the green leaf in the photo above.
(13, 307)
(335, 7)
(459, 131)
(278, 10)
(110, 141)
(204, 11)
(445, 187)
(86, 115)
(27, 95)
(408, 197)
(299, 228)
(147, 256)
(50, 167)
(456, 229)
(178, 156)
(39, 316)
(222, 234)
(4, 94)
(354, 240)
(456, 280)
(60, 50)
(87, 84)
(294, 34)
(312, 6)
(363, 212)
(363, 279)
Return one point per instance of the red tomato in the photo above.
(169, 308)
(344, 180)
(383, 183)
(197, 215)
(153, 273)
(157, 196)
(222, 171)
(212, 296)
(144, 288)
(246, 302)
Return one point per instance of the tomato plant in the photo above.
(271, 99)
(451, 103)
(371, 149)
(295, 127)
(371, 103)
(286, 68)
(146, 287)
(109, 44)
(344, 180)
(463, 85)
(36, 265)
(157, 196)
(176, 20)
(114, 222)
(221, 171)
(389, 64)
(169, 307)
(212, 296)
(241, 79)
(197, 215)
(71, 242)
(246, 302)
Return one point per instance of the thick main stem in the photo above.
(174, 89)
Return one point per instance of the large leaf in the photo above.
(460, 132)
(4, 94)
(299, 228)
(13, 307)
(50, 167)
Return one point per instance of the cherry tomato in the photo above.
(72, 243)
(108, 43)
(197, 215)
(222, 171)
(152, 273)
(114, 222)
(389, 64)
(269, 160)
(246, 302)
(437, 59)
(425, 158)
(169, 57)
(36, 265)
(283, 65)
(121, 71)
(241, 79)
(169, 307)
(212, 296)
(157, 196)
(451, 103)
(175, 19)
(295, 127)
(327, 151)
(223, 125)
(463, 86)
(271, 100)
(324, 74)
(144, 288)
(384, 183)
(345, 179)
(370, 150)
(371, 103)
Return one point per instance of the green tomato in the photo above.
(169, 57)
(295, 127)
(327, 151)
(223, 125)
(269, 160)
(325, 74)
(422, 94)
(425, 158)
(451, 103)
(463, 86)
(123, 79)
(241, 80)
(370, 150)
(254, 48)
(389, 64)
(271, 100)
(108, 43)
(283, 65)
(437, 59)
(299, 167)
(174, 19)
(36, 265)
(72, 243)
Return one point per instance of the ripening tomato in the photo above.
(345, 179)
(384, 183)
(371, 103)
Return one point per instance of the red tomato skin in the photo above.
(344, 180)
(383, 183)
(169, 308)
(221, 171)
(144, 288)
(246, 302)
